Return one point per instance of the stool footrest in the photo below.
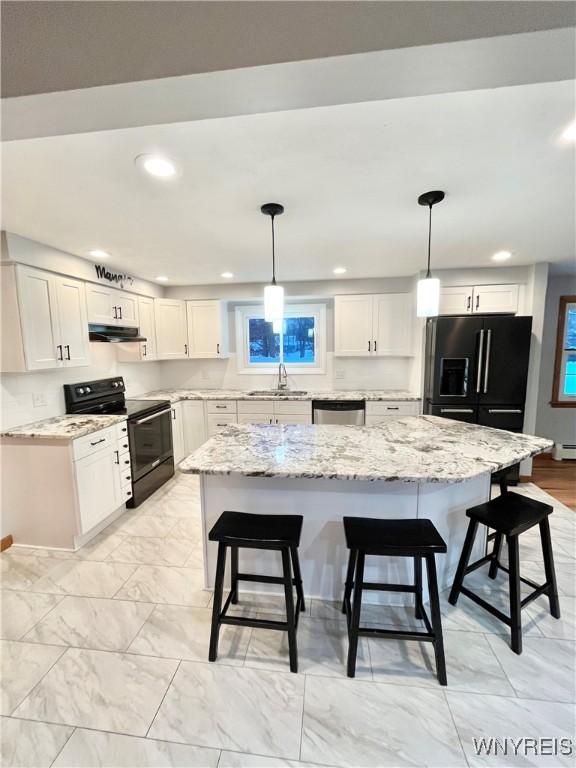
(487, 607)
(388, 587)
(242, 621)
(528, 582)
(544, 589)
(262, 579)
(479, 563)
(397, 634)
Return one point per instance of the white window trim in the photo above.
(562, 396)
(243, 314)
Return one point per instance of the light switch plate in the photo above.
(39, 399)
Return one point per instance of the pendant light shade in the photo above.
(273, 293)
(428, 289)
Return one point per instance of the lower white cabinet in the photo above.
(216, 423)
(379, 412)
(194, 424)
(178, 443)
(98, 487)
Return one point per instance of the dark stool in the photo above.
(242, 530)
(509, 515)
(418, 539)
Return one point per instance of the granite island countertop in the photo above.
(414, 449)
(67, 427)
(175, 395)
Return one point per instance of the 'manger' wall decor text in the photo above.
(112, 277)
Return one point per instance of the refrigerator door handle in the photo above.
(487, 363)
(504, 410)
(479, 362)
(456, 410)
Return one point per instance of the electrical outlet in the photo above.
(339, 373)
(39, 399)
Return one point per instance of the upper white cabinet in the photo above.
(478, 299)
(171, 330)
(207, 328)
(377, 325)
(108, 306)
(132, 351)
(44, 322)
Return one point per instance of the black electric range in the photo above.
(149, 429)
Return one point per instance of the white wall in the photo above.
(558, 424)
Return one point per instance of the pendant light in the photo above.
(428, 289)
(273, 294)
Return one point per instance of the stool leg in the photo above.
(493, 570)
(234, 574)
(514, 581)
(217, 602)
(436, 619)
(463, 563)
(549, 568)
(290, 620)
(349, 583)
(418, 586)
(298, 580)
(355, 618)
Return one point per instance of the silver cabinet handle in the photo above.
(456, 410)
(479, 362)
(154, 416)
(487, 363)
(504, 410)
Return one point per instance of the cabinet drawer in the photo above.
(121, 430)
(96, 441)
(392, 408)
(221, 406)
(217, 422)
(290, 407)
(255, 406)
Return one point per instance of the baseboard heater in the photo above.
(564, 451)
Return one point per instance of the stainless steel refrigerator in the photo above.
(477, 370)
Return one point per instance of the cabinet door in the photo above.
(171, 333)
(38, 302)
(102, 306)
(455, 300)
(496, 298)
(292, 419)
(353, 326)
(126, 309)
(256, 418)
(147, 328)
(206, 328)
(73, 321)
(393, 314)
(178, 433)
(98, 489)
(194, 424)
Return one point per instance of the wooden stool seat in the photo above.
(390, 537)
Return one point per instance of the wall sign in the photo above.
(118, 278)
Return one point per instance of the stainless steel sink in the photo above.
(277, 392)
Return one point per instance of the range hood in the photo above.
(113, 333)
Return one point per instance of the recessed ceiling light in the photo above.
(160, 166)
(227, 274)
(97, 253)
(501, 256)
(339, 270)
(569, 133)
(162, 278)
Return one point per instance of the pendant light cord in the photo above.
(428, 274)
(274, 254)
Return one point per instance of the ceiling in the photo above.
(86, 44)
(349, 177)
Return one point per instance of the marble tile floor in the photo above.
(104, 663)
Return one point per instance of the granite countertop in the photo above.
(174, 395)
(414, 449)
(64, 427)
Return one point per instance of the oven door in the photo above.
(150, 442)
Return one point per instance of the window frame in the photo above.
(244, 313)
(560, 400)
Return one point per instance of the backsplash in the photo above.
(20, 390)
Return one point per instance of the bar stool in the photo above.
(418, 539)
(509, 515)
(242, 530)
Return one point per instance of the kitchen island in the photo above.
(414, 467)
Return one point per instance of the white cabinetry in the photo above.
(178, 443)
(142, 351)
(108, 306)
(171, 331)
(478, 299)
(377, 325)
(194, 423)
(378, 412)
(271, 412)
(207, 328)
(44, 322)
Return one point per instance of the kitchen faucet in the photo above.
(282, 377)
